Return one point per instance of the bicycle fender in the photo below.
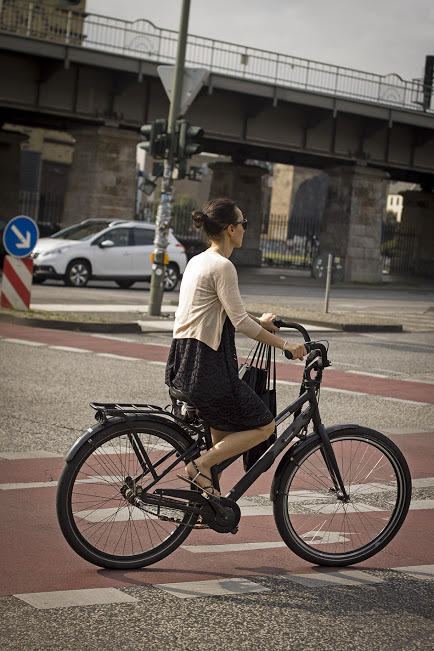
(297, 447)
(84, 438)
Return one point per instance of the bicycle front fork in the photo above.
(329, 457)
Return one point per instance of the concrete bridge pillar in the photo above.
(418, 215)
(10, 142)
(102, 179)
(351, 225)
(242, 183)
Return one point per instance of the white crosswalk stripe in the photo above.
(325, 579)
(217, 588)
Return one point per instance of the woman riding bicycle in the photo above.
(202, 361)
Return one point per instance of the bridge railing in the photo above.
(144, 40)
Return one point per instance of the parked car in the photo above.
(118, 250)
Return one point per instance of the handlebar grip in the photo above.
(288, 353)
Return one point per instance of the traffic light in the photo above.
(186, 135)
(158, 139)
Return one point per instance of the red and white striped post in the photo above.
(16, 283)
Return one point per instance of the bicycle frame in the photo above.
(311, 413)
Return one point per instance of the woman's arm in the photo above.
(229, 295)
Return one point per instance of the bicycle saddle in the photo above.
(179, 395)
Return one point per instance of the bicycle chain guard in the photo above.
(219, 513)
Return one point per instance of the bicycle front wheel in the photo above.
(321, 528)
(95, 517)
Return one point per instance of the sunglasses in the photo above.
(243, 224)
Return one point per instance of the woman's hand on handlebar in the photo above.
(298, 351)
(267, 322)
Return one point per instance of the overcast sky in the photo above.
(381, 36)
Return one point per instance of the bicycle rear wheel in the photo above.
(95, 518)
(322, 529)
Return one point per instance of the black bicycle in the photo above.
(340, 493)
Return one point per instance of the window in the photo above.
(120, 237)
(143, 236)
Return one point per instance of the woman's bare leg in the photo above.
(227, 445)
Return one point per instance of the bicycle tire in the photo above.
(97, 521)
(320, 528)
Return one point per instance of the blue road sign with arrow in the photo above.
(20, 236)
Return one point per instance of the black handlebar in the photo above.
(308, 344)
(282, 324)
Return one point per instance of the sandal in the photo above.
(205, 489)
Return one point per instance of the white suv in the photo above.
(116, 250)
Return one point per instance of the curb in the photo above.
(81, 326)
(132, 327)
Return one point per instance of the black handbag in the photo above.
(260, 374)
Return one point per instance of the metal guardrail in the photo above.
(142, 39)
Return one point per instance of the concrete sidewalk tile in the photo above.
(322, 579)
(211, 588)
(425, 572)
(68, 598)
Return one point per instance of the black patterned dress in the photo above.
(210, 379)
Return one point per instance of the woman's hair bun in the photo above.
(198, 217)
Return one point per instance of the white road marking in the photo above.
(70, 349)
(211, 588)
(240, 547)
(33, 454)
(90, 307)
(34, 484)
(368, 374)
(418, 505)
(68, 598)
(417, 571)
(114, 514)
(222, 587)
(321, 579)
(375, 395)
(121, 357)
(361, 393)
(11, 340)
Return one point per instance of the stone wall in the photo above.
(351, 226)
(418, 214)
(242, 183)
(102, 178)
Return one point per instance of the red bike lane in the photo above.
(36, 558)
(333, 379)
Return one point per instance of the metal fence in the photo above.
(288, 242)
(144, 40)
(293, 243)
(45, 208)
(398, 249)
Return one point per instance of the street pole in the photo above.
(164, 212)
(328, 281)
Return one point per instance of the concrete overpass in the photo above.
(97, 78)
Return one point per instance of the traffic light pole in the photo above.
(164, 212)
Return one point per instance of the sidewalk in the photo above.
(294, 294)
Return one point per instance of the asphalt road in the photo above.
(267, 598)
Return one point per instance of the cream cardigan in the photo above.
(209, 291)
